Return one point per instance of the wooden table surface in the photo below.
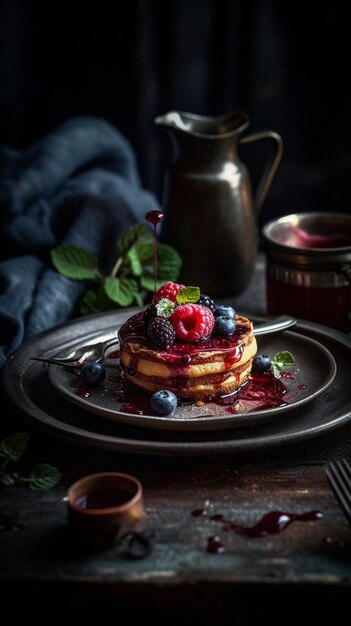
(301, 573)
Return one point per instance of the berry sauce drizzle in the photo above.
(154, 218)
(260, 392)
(182, 353)
(82, 392)
(271, 523)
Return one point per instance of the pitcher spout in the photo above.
(204, 126)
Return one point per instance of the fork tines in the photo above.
(339, 476)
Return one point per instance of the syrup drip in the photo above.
(136, 409)
(214, 545)
(154, 218)
(82, 392)
(271, 523)
(181, 353)
(287, 375)
(115, 354)
(262, 391)
(199, 512)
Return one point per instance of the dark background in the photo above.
(285, 63)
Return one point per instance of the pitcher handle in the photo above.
(272, 166)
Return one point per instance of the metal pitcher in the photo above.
(210, 212)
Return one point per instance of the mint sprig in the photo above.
(165, 307)
(75, 262)
(41, 477)
(188, 295)
(132, 272)
(282, 360)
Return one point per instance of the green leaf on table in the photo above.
(121, 290)
(131, 236)
(75, 262)
(281, 360)
(8, 479)
(43, 477)
(14, 446)
(188, 294)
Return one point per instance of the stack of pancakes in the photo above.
(198, 370)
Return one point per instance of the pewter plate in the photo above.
(25, 385)
(312, 374)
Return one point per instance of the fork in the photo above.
(91, 352)
(339, 476)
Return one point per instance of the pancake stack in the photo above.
(198, 370)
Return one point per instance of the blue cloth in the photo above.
(79, 185)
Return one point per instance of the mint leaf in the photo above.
(138, 299)
(121, 290)
(43, 477)
(134, 260)
(145, 250)
(127, 239)
(165, 307)
(74, 262)
(147, 282)
(94, 301)
(168, 263)
(14, 446)
(281, 360)
(188, 294)
(8, 480)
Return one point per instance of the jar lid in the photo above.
(309, 240)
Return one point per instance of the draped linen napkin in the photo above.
(78, 185)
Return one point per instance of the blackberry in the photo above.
(149, 314)
(207, 302)
(161, 333)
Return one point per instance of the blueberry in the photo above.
(224, 325)
(223, 310)
(93, 374)
(163, 402)
(261, 364)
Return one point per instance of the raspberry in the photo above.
(206, 301)
(161, 333)
(168, 290)
(192, 322)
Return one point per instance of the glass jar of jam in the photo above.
(309, 267)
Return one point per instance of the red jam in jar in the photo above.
(309, 267)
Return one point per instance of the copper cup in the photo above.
(105, 506)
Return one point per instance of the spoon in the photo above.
(275, 325)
